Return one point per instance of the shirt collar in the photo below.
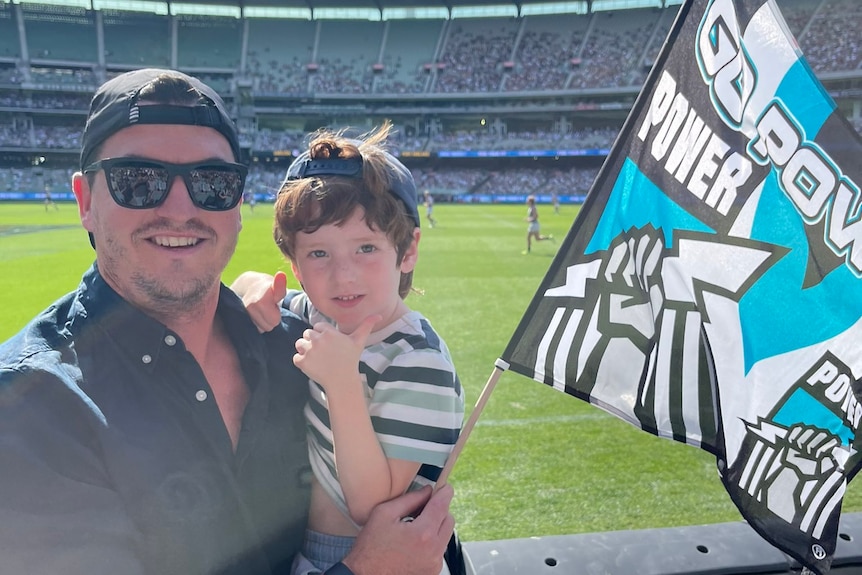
(98, 306)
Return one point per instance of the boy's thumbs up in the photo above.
(364, 329)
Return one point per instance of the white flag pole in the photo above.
(499, 367)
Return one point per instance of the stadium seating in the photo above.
(544, 56)
(570, 51)
(60, 33)
(208, 42)
(133, 39)
(9, 45)
(833, 36)
(410, 47)
(319, 72)
(278, 53)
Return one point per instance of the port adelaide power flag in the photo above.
(709, 291)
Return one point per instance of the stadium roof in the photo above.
(360, 9)
(380, 4)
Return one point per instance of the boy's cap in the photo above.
(115, 106)
(403, 186)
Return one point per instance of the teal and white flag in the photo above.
(709, 291)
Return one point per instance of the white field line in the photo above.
(542, 420)
(498, 220)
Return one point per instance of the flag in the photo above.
(709, 290)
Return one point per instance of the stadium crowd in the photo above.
(609, 49)
(24, 134)
(264, 180)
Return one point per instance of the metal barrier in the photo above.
(697, 550)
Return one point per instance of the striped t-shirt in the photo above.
(412, 393)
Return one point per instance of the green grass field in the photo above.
(538, 462)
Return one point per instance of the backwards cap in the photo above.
(115, 106)
(401, 183)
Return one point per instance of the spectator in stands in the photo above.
(532, 218)
(141, 427)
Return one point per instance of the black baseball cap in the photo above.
(402, 185)
(115, 106)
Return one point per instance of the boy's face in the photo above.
(350, 272)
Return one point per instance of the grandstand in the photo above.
(489, 98)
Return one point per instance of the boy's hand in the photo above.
(331, 358)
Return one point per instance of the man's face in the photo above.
(167, 259)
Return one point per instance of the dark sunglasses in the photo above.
(141, 183)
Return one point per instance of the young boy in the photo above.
(386, 404)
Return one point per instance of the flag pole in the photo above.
(499, 367)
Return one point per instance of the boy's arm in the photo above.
(366, 475)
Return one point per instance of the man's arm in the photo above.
(57, 513)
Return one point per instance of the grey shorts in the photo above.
(321, 551)
(328, 550)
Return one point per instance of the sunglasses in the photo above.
(141, 183)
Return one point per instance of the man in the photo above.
(143, 428)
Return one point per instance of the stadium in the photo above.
(492, 101)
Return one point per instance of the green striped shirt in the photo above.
(413, 395)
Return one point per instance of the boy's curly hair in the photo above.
(304, 205)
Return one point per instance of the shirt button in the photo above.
(201, 395)
(147, 358)
(170, 340)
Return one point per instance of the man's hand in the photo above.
(388, 545)
(261, 295)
